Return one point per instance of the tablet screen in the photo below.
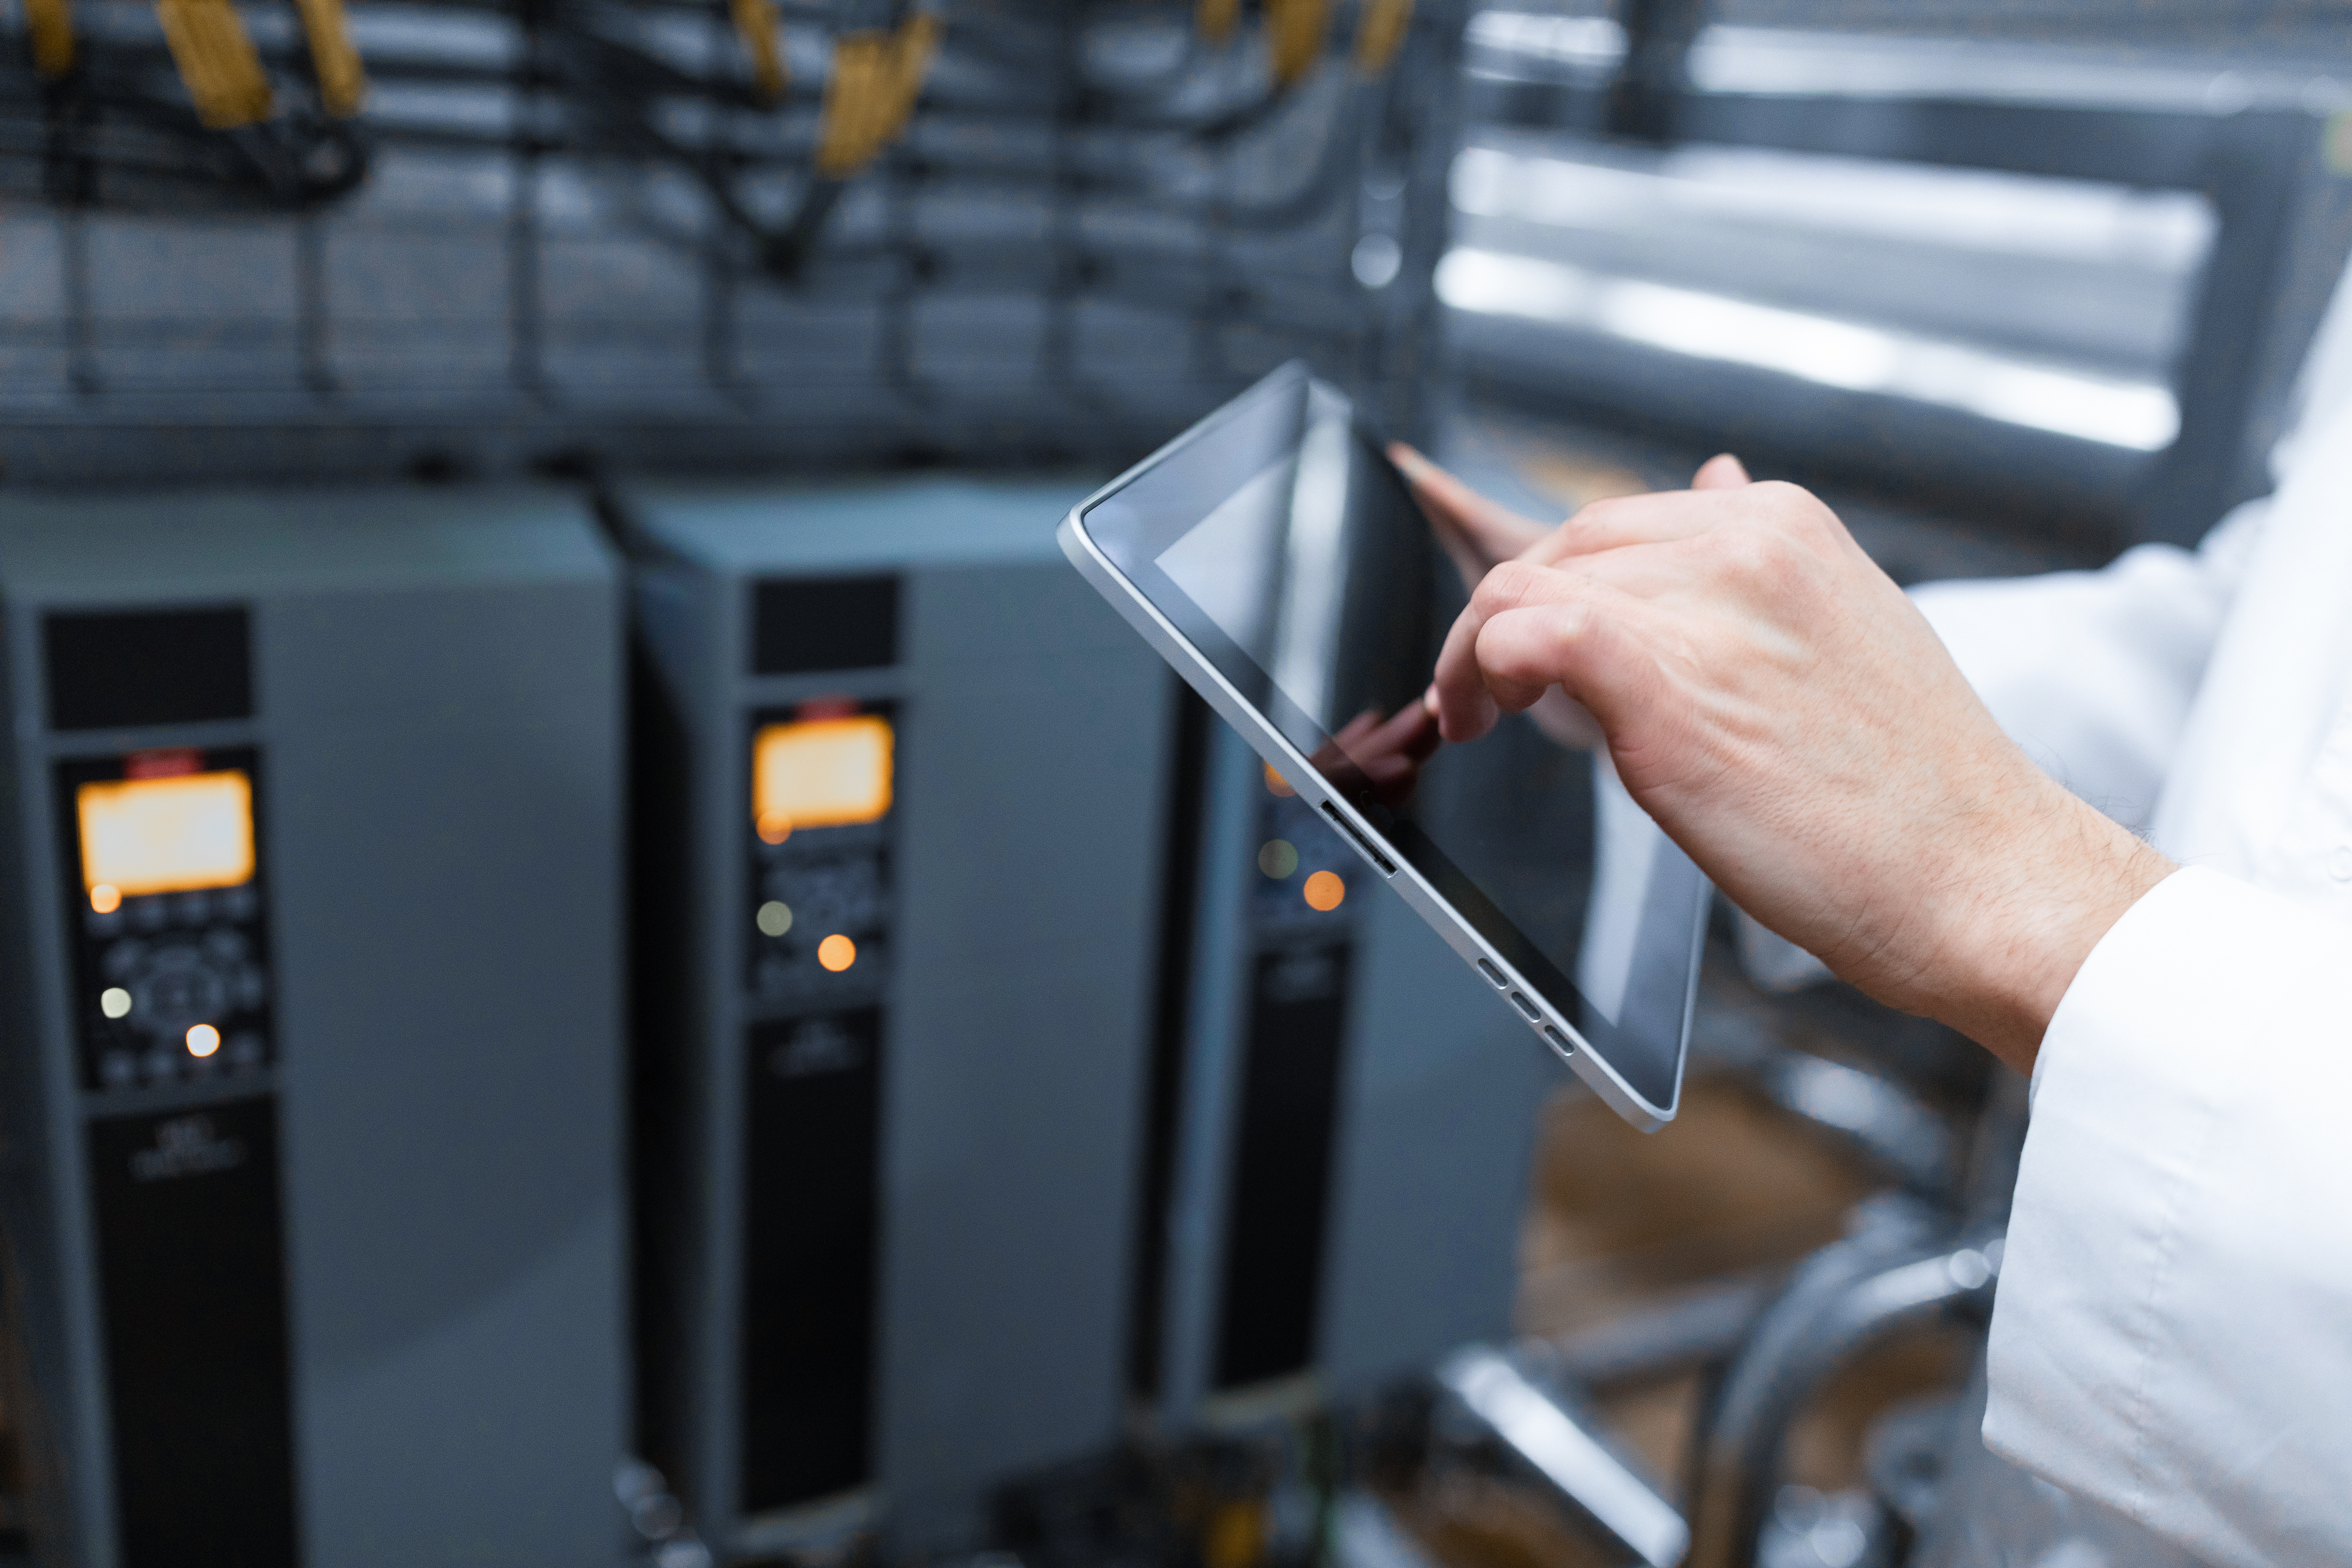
(1285, 547)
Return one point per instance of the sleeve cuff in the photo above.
(2173, 1332)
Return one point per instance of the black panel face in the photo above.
(662, 1137)
(1282, 1167)
(192, 1290)
(810, 625)
(119, 669)
(170, 986)
(817, 825)
(811, 1246)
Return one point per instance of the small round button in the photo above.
(2339, 865)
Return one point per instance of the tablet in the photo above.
(1276, 558)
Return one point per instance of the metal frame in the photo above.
(2284, 225)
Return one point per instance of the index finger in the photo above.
(1468, 697)
(1475, 531)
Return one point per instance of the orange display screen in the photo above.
(820, 772)
(166, 835)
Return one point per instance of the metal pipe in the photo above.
(1897, 1275)
(1541, 1434)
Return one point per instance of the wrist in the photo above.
(2045, 895)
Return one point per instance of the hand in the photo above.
(1788, 717)
(1480, 534)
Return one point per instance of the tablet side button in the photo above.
(1348, 827)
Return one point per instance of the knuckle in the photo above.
(1510, 583)
(1795, 509)
(1751, 554)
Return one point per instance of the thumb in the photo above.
(1720, 472)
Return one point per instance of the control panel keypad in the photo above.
(174, 987)
(821, 915)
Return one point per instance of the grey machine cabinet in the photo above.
(885, 1226)
(312, 1189)
(1346, 1126)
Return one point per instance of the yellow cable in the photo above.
(876, 77)
(1215, 20)
(51, 26)
(1295, 31)
(342, 80)
(217, 61)
(1380, 33)
(844, 144)
(755, 21)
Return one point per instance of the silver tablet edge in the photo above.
(1278, 753)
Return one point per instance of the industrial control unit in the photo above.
(310, 957)
(900, 790)
(1343, 1120)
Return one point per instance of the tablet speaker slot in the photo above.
(1493, 973)
(1363, 843)
(1559, 1042)
(1524, 1006)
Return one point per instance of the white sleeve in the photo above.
(2173, 1331)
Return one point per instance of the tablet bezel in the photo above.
(1484, 938)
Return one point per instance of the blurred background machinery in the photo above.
(314, 1202)
(899, 937)
(678, 234)
(2014, 286)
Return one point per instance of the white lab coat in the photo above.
(2172, 1333)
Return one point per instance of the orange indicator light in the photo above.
(820, 772)
(836, 953)
(1324, 891)
(203, 1040)
(106, 898)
